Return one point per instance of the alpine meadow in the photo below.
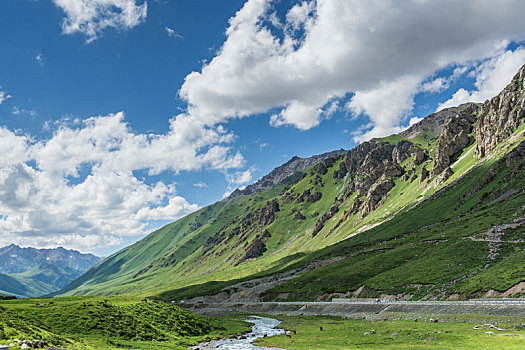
(388, 140)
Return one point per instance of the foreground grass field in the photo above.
(395, 334)
(112, 323)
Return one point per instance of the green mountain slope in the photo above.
(23, 287)
(407, 215)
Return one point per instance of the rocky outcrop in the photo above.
(368, 162)
(433, 124)
(255, 249)
(401, 151)
(326, 216)
(375, 194)
(267, 213)
(310, 195)
(298, 216)
(499, 117)
(443, 177)
(423, 174)
(341, 172)
(286, 170)
(454, 137)
(419, 156)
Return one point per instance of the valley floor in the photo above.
(468, 332)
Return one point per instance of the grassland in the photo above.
(112, 323)
(399, 334)
(424, 240)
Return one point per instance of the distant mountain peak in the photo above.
(279, 174)
(55, 267)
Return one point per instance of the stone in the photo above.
(423, 174)
(500, 116)
(454, 137)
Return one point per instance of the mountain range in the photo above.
(29, 272)
(435, 212)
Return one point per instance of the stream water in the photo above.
(261, 326)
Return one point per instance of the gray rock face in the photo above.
(434, 123)
(375, 194)
(423, 174)
(454, 137)
(443, 176)
(500, 116)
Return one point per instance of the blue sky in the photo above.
(118, 116)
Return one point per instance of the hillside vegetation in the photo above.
(98, 323)
(435, 212)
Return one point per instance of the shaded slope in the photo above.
(23, 287)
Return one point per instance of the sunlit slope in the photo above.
(442, 170)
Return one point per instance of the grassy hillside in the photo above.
(96, 323)
(439, 249)
(412, 217)
(23, 287)
(207, 245)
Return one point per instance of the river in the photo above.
(261, 326)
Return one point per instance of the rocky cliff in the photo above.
(500, 116)
(284, 171)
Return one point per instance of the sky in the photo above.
(120, 116)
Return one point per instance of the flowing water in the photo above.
(261, 326)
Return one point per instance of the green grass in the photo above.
(119, 322)
(24, 287)
(394, 257)
(398, 334)
(204, 252)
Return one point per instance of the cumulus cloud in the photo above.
(385, 105)
(436, 85)
(171, 32)
(79, 187)
(200, 185)
(323, 50)
(177, 207)
(92, 17)
(3, 96)
(238, 179)
(491, 77)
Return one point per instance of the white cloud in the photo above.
(40, 59)
(79, 188)
(385, 106)
(92, 17)
(3, 96)
(491, 77)
(414, 120)
(200, 185)
(436, 85)
(176, 208)
(238, 180)
(263, 145)
(343, 48)
(18, 111)
(171, 33)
